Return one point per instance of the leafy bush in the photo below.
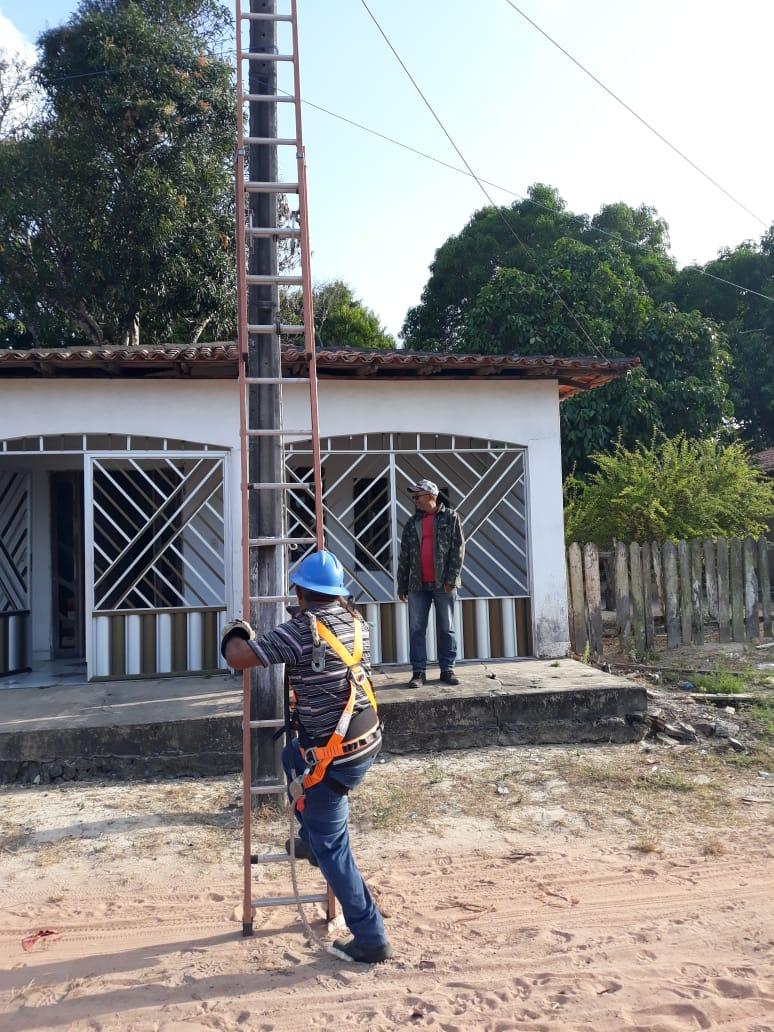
(676, 488)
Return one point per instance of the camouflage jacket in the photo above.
(449, 551)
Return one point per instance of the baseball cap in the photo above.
(423, 487)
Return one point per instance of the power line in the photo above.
(454, 168)
(480, 183)
(514, 193)
(639, 117)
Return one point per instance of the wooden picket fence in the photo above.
(678, 589)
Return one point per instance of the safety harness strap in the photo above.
(351, 661)
(319, 758)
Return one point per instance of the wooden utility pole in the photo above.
(267, 567)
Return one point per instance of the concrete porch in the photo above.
(192, 725)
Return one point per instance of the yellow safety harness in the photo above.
(319, 758)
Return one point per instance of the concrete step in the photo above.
(187, 725)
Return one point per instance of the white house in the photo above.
(120, 510)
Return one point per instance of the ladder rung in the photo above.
(289, 901)
(265, 542)
(275, 722)
(268, 98)
(270, 141)
(269, 281)
(271, 789)
(245, 55)
(278, 433)
(250, 16)
(280, 486)
(284, 329)
(256, 187)
(272, 231)
(269, 858)
(273, 598)
(257, 381)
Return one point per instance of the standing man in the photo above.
(325, 649)
(431, 553)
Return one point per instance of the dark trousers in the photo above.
(419, 603)
(325, 829)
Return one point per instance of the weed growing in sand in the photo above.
(390, 806)
(762, 712)
(647, 844)
(723, 682)
(715, 847)
(645, 655)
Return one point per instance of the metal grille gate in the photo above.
(14, 571)
(366, 505)
(155, 561)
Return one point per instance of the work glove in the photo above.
(235, 629)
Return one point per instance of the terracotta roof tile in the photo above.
(220, 358)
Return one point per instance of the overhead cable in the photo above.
(639, 117)
(480, 183)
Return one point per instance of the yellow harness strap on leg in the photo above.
(324, 755)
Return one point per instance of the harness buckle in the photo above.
(296, 787)
(318, 658)
(358, 675)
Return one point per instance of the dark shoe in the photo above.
(417, 680)
(449, 677)
(348, 949)
(302, 851)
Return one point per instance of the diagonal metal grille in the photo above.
(14, 541)
(366, 505)
(158, 532)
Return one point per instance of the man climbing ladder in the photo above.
(325, 649)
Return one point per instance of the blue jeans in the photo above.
(419, 609)
(324, 828)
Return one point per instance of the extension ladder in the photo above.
(254, 339)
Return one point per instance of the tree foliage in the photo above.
(340, 319)
(121, 217)
(577, 286)
(534, 277)
(748, 320)
(17, 94)
(674, 488)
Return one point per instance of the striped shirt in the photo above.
(320, 697)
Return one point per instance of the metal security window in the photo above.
(485, 481)
(157, 532)
(372, 525)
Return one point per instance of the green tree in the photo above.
(563, 284)
(120, 220)
(589, 297)
(748, 320)
(676, 487)
(340, 319)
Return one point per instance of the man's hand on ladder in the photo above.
(235, 629)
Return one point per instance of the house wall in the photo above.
(204, 411)
(519, 412)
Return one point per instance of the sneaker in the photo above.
(302, 851)
(348, 949)
(449, 677)
(417, 680)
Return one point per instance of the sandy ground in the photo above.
(602, 888)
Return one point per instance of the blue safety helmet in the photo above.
(321, 572)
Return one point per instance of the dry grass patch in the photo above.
(714, 847)
(647, 844)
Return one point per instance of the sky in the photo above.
(520, 112)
